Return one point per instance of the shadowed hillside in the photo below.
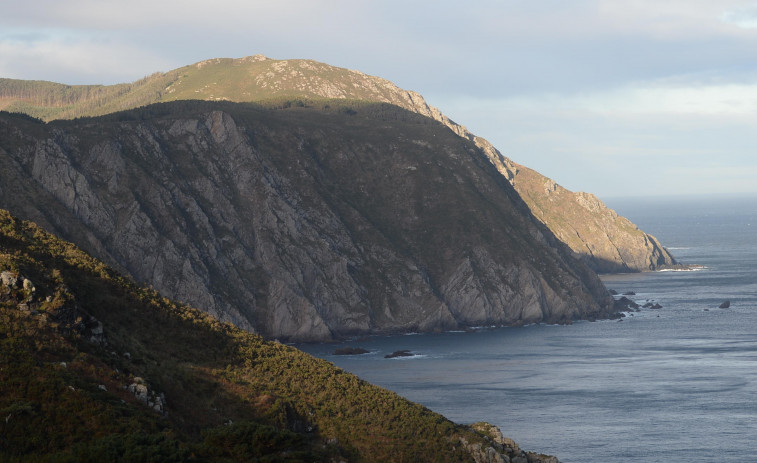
(95, 368)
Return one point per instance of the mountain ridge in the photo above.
(596, 237)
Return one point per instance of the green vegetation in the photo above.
(49, 100)
(240, 80)
(229, 396)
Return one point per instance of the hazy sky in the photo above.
(615, 97)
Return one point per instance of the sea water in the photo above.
(677, 384)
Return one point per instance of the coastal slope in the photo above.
(96, 368)
(603, 240)
(299, 221)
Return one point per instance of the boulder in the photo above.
(139, 390)
(726, 304)
(150, 398)
(29, 286)
(625, 304)
(8, 279)
(94, 331)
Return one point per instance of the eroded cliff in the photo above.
(302, 223)
(606, 241)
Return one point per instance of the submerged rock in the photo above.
(350, 351)
(399, 353)
(626, 304)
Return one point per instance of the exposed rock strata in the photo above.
(605, 241)
(301, 224)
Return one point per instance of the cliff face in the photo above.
(606, 242)
(299, 223)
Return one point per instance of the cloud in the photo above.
(663, 98)
(193, 14)
(744, 17)
(572, 88)
(488, 47)
(610, 141)
(714, 100)
(65, 58)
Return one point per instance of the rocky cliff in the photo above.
(302, 223)
(606, 242)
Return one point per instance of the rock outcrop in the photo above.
(150, 398)
(300, 223)
(500, 449)
(604, 240)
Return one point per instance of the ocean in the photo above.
(676, 384)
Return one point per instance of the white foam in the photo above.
(692, 269)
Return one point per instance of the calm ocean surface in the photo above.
(678, 384)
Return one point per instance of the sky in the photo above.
(615, 97)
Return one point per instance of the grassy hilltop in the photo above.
(254, 78)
